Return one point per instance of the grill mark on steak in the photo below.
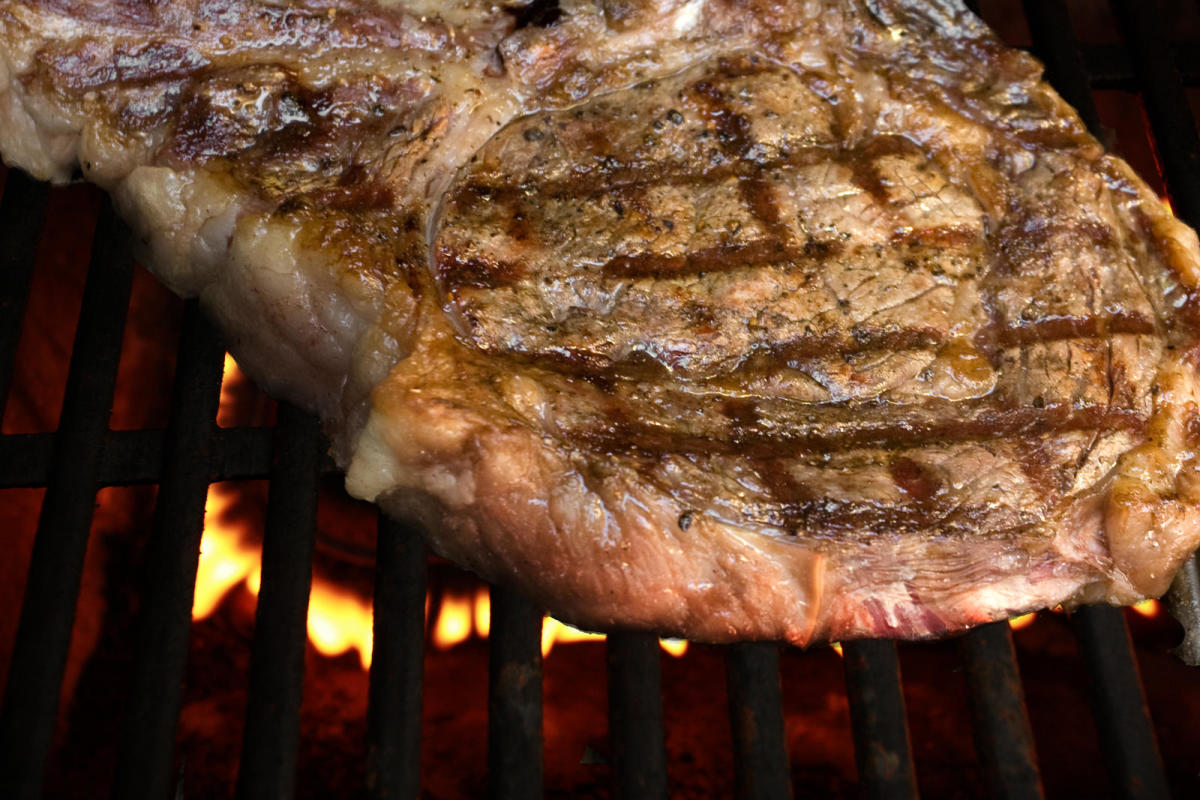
(947, 237)
(773, 291)
(796, 353)
(457, 272)
(924, 507)
(792, 354)
(914, 480)
(1060, 328)
(734, 135)
(858, 340)
(823, 518)
(723, 257)
(769, 251)
(620, 433)
(612, 175)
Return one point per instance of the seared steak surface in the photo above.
(804, 320)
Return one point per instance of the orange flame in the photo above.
(225, 560)
(232, 376)
(674, 647)
(1023, 621)
(453, 625)
(340, 621)
(1148, 608)
(451, 628)
(483, 612)
(554, 632)
(837, 648)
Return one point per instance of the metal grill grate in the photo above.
(192, 452)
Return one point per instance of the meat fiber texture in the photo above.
(789, 320)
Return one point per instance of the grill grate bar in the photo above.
(1184, 602)
(21, 213)
(756, 716)
(514, 698)
(30, 707)
(1054, 43)
(1166, 105)
(135, 456)
(877, 718)
(1178, 147)
(999, 720)
(397, 664)
(1126, 735)
(271, 736)
(635, 716)
(1109, 67)
(148, 733)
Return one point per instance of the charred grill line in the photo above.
(734, 138)
(858, 341)
(625, 435)
(720, 258)
(459, 271)
(615, 176)
(31, 695)
(1054, 330)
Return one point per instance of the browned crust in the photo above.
(566, 469)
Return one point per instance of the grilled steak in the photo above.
(781, 319)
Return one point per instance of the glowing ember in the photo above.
(1023, 621)
(1148, 608)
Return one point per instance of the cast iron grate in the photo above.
(192, 452)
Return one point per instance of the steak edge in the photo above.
(797, 320)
